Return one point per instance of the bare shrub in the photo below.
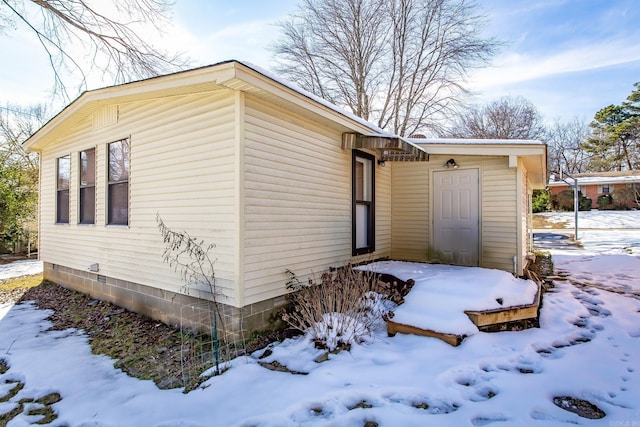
(625, 198)
(338, 309)
(564, 201)
(190, 256)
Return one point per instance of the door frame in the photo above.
(432, 172)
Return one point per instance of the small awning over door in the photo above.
(389, 147)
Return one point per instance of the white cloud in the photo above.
(521, 67)
(245, 41)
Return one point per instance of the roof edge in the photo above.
(223, 79)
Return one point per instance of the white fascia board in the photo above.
(485, 149)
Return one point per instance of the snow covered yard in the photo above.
(25, 267)
(596, 219)
(587, 347)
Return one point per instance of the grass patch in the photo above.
(49, 399)
(46, 412)
(8, 416)
(24, 282)
(542, 222)
(141, 347)
(363, 404)
(13, 392)
(13, 289)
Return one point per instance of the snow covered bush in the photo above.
(337, 310)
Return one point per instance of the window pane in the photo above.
(88, 167)
(62, 210)
(363, 179)
(359, 180)
(63, 173)
(362, 226)
(119, 161)
(119, 203)
(87, 205)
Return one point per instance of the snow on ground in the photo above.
(442, 293)
(587, 347)
(20, 268)
(596, 219)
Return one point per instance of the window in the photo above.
(62, 190)
(118, 191)
(87, 186)
(605, 189)
(363, 229)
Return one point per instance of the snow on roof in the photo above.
(317, 99)
(584, 179)
(475, 141)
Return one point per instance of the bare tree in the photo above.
(104, 32)
(18, 123)
(400, 63)
(564, 142)
(505, 118)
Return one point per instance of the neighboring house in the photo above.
(276, 178)
(593, 185)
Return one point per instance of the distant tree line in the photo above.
(18, 177)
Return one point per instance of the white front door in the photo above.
(456, 236)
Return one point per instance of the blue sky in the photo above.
(569, 57)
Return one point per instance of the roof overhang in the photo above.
(532, 153)
(389, 147)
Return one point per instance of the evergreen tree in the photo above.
(18, 175)
(615, 144)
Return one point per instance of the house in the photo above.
(276, 178)
(595, 184)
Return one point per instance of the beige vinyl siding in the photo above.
(297, 200)
(498, 209)
(499, 214)
(410, 211)
(383, 210)
(182, 153)
(524, 216)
